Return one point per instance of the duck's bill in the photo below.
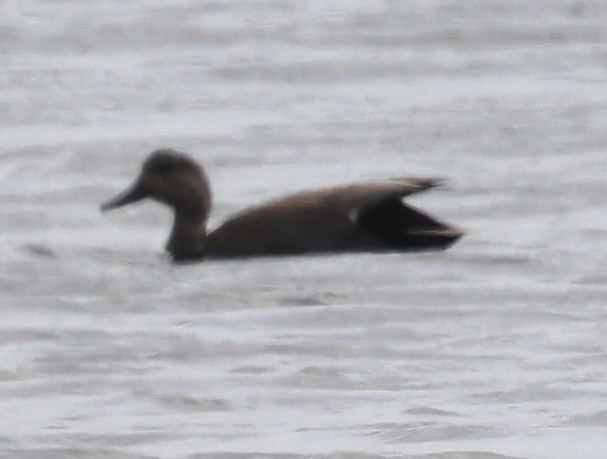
(129, 196)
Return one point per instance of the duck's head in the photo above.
(173, 178)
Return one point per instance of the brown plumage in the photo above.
(366, 216)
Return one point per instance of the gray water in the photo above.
(493, 349)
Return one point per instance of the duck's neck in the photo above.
(188, 237)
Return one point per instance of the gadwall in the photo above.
(366, 216)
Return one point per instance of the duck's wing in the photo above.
(378, 209)
(357, 198)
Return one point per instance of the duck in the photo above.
(368, 216)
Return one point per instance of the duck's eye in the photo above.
(163, 166)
